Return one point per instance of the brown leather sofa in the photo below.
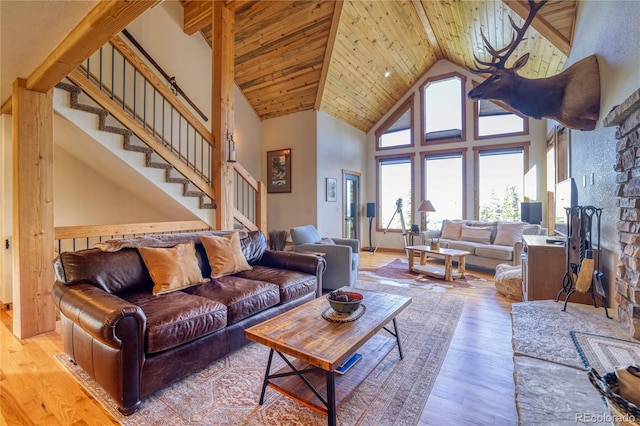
(133, 343)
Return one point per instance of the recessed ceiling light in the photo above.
(480, 50)
(387, 73)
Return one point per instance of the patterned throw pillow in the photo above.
(476, 234)
(172, 268)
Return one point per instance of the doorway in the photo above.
(350, 205)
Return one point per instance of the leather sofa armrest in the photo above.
(307, 263)
(99, 313)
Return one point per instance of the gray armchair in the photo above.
(342, 255)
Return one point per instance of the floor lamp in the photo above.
(424, 208)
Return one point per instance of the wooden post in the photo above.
(222, 110)
(33, 230)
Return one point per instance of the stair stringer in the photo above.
(135, 155)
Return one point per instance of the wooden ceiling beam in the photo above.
(428, 29)
(541, 25)
(103, 22)
(197, 16)
(337, 12)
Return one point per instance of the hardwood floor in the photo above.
(474, 387)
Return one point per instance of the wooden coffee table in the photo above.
(319, 346)
(448, 273)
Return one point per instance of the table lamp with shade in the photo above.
(425, 207)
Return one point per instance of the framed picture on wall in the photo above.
(332, 189)
(279, 170)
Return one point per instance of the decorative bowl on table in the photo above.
(344, 302)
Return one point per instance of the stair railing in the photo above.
(249, 200)
(74, 238)
(120, 82)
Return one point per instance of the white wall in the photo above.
(613, 36)
(298, 132)
(537, 152)
(247, 133)
(83, 196)
(341, 147)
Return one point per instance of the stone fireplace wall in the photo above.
(626, 117)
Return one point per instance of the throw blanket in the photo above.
(161, 240)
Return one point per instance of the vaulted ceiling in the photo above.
(293, 56)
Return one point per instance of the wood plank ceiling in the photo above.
(299, 55)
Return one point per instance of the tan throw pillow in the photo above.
(476, 234)
(172, 268)
(452, 230)
(225, 254)
(508, 233)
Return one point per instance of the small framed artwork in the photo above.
(332, 189)
(279, 170)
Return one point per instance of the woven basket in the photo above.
(623, 412)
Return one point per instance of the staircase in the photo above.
(114, 98)
(72, 104)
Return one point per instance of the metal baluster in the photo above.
(144, 103)
(163, 139)
(209, 162)
(194, 157)
(154, 113)
(124, 83)
(201, 156)
(135, 74)
(88, 65)
(180, 139)
(100, 66)
(113, 70)
(171, 137)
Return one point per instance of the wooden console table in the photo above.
(543, 267)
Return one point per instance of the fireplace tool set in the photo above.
(584, 259)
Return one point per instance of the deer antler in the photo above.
(499, 56)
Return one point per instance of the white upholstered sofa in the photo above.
(490, 243)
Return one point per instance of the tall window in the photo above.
(500, 183)
(394, 191)
(444, 187)
(494, 119)
(443, 109)
(397, 130)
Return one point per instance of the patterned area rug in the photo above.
(605, 353)
(227, 392)
(397, 271)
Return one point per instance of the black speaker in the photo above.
(531, 212)
(371, 209)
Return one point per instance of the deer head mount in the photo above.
(572, 97)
